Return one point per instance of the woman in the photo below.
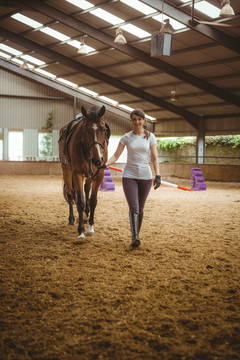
(137, 175)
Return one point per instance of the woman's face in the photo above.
(137, 121)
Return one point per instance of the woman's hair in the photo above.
(140, 112)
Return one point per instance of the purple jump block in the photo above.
(199, 187)
(197, 180)
(107, 184)
(107, 172)
(107, 187)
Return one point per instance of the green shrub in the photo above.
(173, 144)
(225, 140)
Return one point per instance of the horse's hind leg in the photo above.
(69, 197)
(68, 192)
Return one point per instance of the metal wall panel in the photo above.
(24, 105)
(13, 84)
(30, 142)
(226, 126)
(174, 128)
(55, 138)
(32, 114)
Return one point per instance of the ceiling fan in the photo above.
(226, 12)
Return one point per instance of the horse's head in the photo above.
(95, 134)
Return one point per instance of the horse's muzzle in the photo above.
(97, 163)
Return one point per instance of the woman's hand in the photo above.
(157, 182)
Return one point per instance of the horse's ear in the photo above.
(84, 111)
(102, 111)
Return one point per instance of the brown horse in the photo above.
(83, 150)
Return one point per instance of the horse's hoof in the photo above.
(71, 220)
(81, 236)
(90, 231)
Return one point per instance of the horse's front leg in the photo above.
(87, 188)
(78, 185)
(93, 204)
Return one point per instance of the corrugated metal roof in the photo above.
(204, 68)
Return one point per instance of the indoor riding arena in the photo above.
(177, 295)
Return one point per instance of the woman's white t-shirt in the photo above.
(138, 155)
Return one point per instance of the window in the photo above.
(45, 150)
(1, 149)
(15, 145)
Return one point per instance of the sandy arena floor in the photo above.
(176, 297)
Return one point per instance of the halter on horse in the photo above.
(82, 150)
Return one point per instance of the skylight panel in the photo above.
(134, 30)
(6, 56)
(82, 4)
(175, 24)
(149, 117)
(27, 21)
(46, 73)
(10, 50)
(76, 44)
(139, 6)
(107, 16)
(33, 60)
(66, 82)
(125, 107)
(208, 9)
(17, 61)
(87, 91)
(111, 101)
(56, 34)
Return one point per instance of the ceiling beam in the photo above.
(130, 50)
(73, 64)
(206, 30)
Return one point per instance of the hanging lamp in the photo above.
(226, 9)
(120, 38)
(174, 97)
(82, 48)
(24, 65)
(161, 41)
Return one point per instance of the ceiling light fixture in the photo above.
(120, 38)
(161, 42)
(226, 9)
(174, 97)
(24, 65)
(82, 49)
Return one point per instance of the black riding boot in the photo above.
(140, 222)
(134, 222)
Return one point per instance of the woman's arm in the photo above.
(154, 158)
(116, 155)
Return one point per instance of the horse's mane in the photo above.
(93, 113)
(93, 110)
